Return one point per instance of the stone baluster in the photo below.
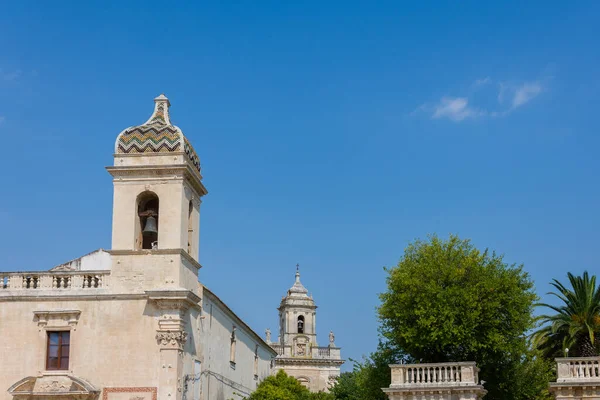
(16, 282)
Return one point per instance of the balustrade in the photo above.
(59, 280)
(578, 369)
(435, 374)
(323, 352)
(278, 348)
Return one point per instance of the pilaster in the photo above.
(171, 337)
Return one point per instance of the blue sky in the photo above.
(331, 134)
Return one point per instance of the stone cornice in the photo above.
(307, 361)
(180, 252)
(68, 317)
(174, 298)
(34, 295)
(572, 384)
(152, 171)
(431, 389)
(284, 305)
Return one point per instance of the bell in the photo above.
(150, 228)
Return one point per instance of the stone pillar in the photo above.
(171, 336)
(171, 363)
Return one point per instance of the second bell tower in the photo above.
(297, 319)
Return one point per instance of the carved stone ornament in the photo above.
(300, 349)
(55, 386)
(61, 386)
(172, 338)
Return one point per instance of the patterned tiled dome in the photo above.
(157, 135)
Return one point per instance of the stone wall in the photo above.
(230, 370)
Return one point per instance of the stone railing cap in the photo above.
(443, 364)
(572, 359)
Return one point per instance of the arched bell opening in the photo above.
(301, 324)
(147, 229)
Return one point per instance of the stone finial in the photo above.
(160, 116)
(268, 336)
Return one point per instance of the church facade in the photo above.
(132, 322)
(298, 352)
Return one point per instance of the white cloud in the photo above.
(10, 76)
(525, 93)
(454, 108)
(458, 109)
(483, 81)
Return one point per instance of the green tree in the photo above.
(283, 387)
(447, 301)
(576, 323)
(346, 386)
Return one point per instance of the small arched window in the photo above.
(304, 381)
(148, 221)
(301, 324)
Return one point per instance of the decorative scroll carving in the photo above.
(172, 338)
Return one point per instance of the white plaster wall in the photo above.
(98, 260)
(217, 370)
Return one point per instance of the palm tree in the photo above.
(576, 325)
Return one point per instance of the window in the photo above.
(58, 350)
(256, 362)
(232, 348)
(190, 228)
(301, 324)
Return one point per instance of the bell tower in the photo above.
(298, 353)
(155, 236)
(157, 196)
(297, 319)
